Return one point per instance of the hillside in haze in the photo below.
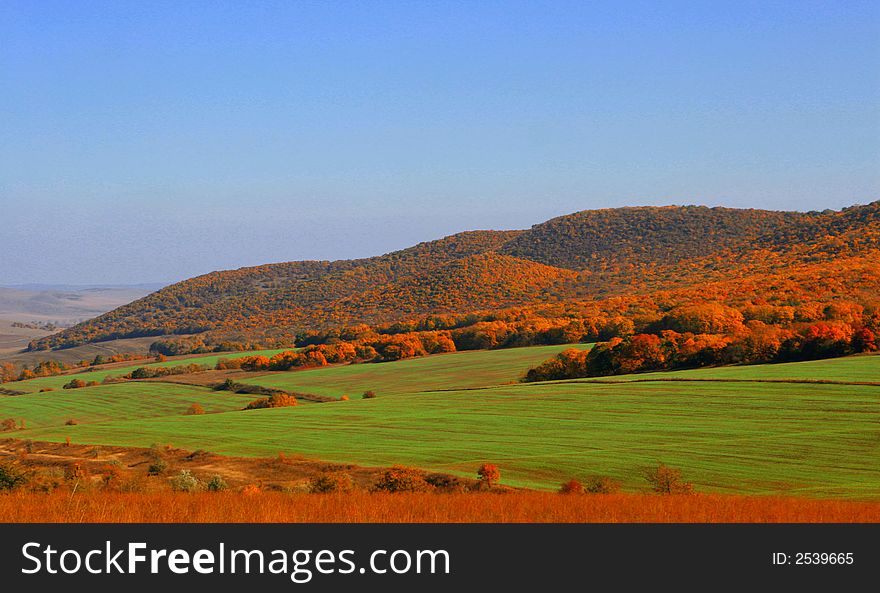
(64, 304)
(585, 256)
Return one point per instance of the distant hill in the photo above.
(586, 255)
(65, 304)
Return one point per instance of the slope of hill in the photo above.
(595, 239)
(587, 255)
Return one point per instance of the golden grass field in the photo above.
(365, 507)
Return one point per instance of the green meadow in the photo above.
(452, 412)
(458, 370)
(861, 368)
(113, 403)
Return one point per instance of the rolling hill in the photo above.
(586, 256)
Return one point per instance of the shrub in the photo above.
(72, 422)
(601, 485)
(8, 424)
(571, 487)
(74, 384)
(330, 482)
(667, 480)
(11, 477)
(185, 481)
(225, 363)
(401, 478)
(276, 400)
(195, 410)
(216, 484)
(344, 398)
(445, 483)
(489, 474)
(157, 467)
(46, 389)
(369, 394)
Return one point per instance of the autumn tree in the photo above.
(489, 474)
(667, 480)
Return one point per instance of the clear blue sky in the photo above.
(152, 141)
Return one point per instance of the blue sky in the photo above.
(153, 141)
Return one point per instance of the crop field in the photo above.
(56, 382)
(459, 370)
(863, 368)
(114, 403)
(818, 440)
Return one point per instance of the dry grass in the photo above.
(363, 507)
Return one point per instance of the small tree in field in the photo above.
(667, 480)
(489, 474)
(195, 410)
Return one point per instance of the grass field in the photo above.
(459, 370)
(56, 382)
(114, 403)
(766, 438)
(363, 507)
(863, 368)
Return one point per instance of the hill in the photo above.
(65, 305)
(586, 256)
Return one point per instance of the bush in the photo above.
(185, 481)
(276, 400)
(74, 384)
(46, 389)
(330, 482)
(72, 422)
(11, 477)
(571, 487)
(226, 364)
(369, 394)
(445, 483)
(8, 424)
(195, 410)
(216, 484)
(344, 398)
(601, 485)
(489, 474)
(157, 467)
(667, 480)
(401, 478)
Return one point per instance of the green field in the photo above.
(116, 402)
(863, 368)
(750, 437)
(56, 382)
(459, 370)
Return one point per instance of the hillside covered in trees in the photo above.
(589, 275)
